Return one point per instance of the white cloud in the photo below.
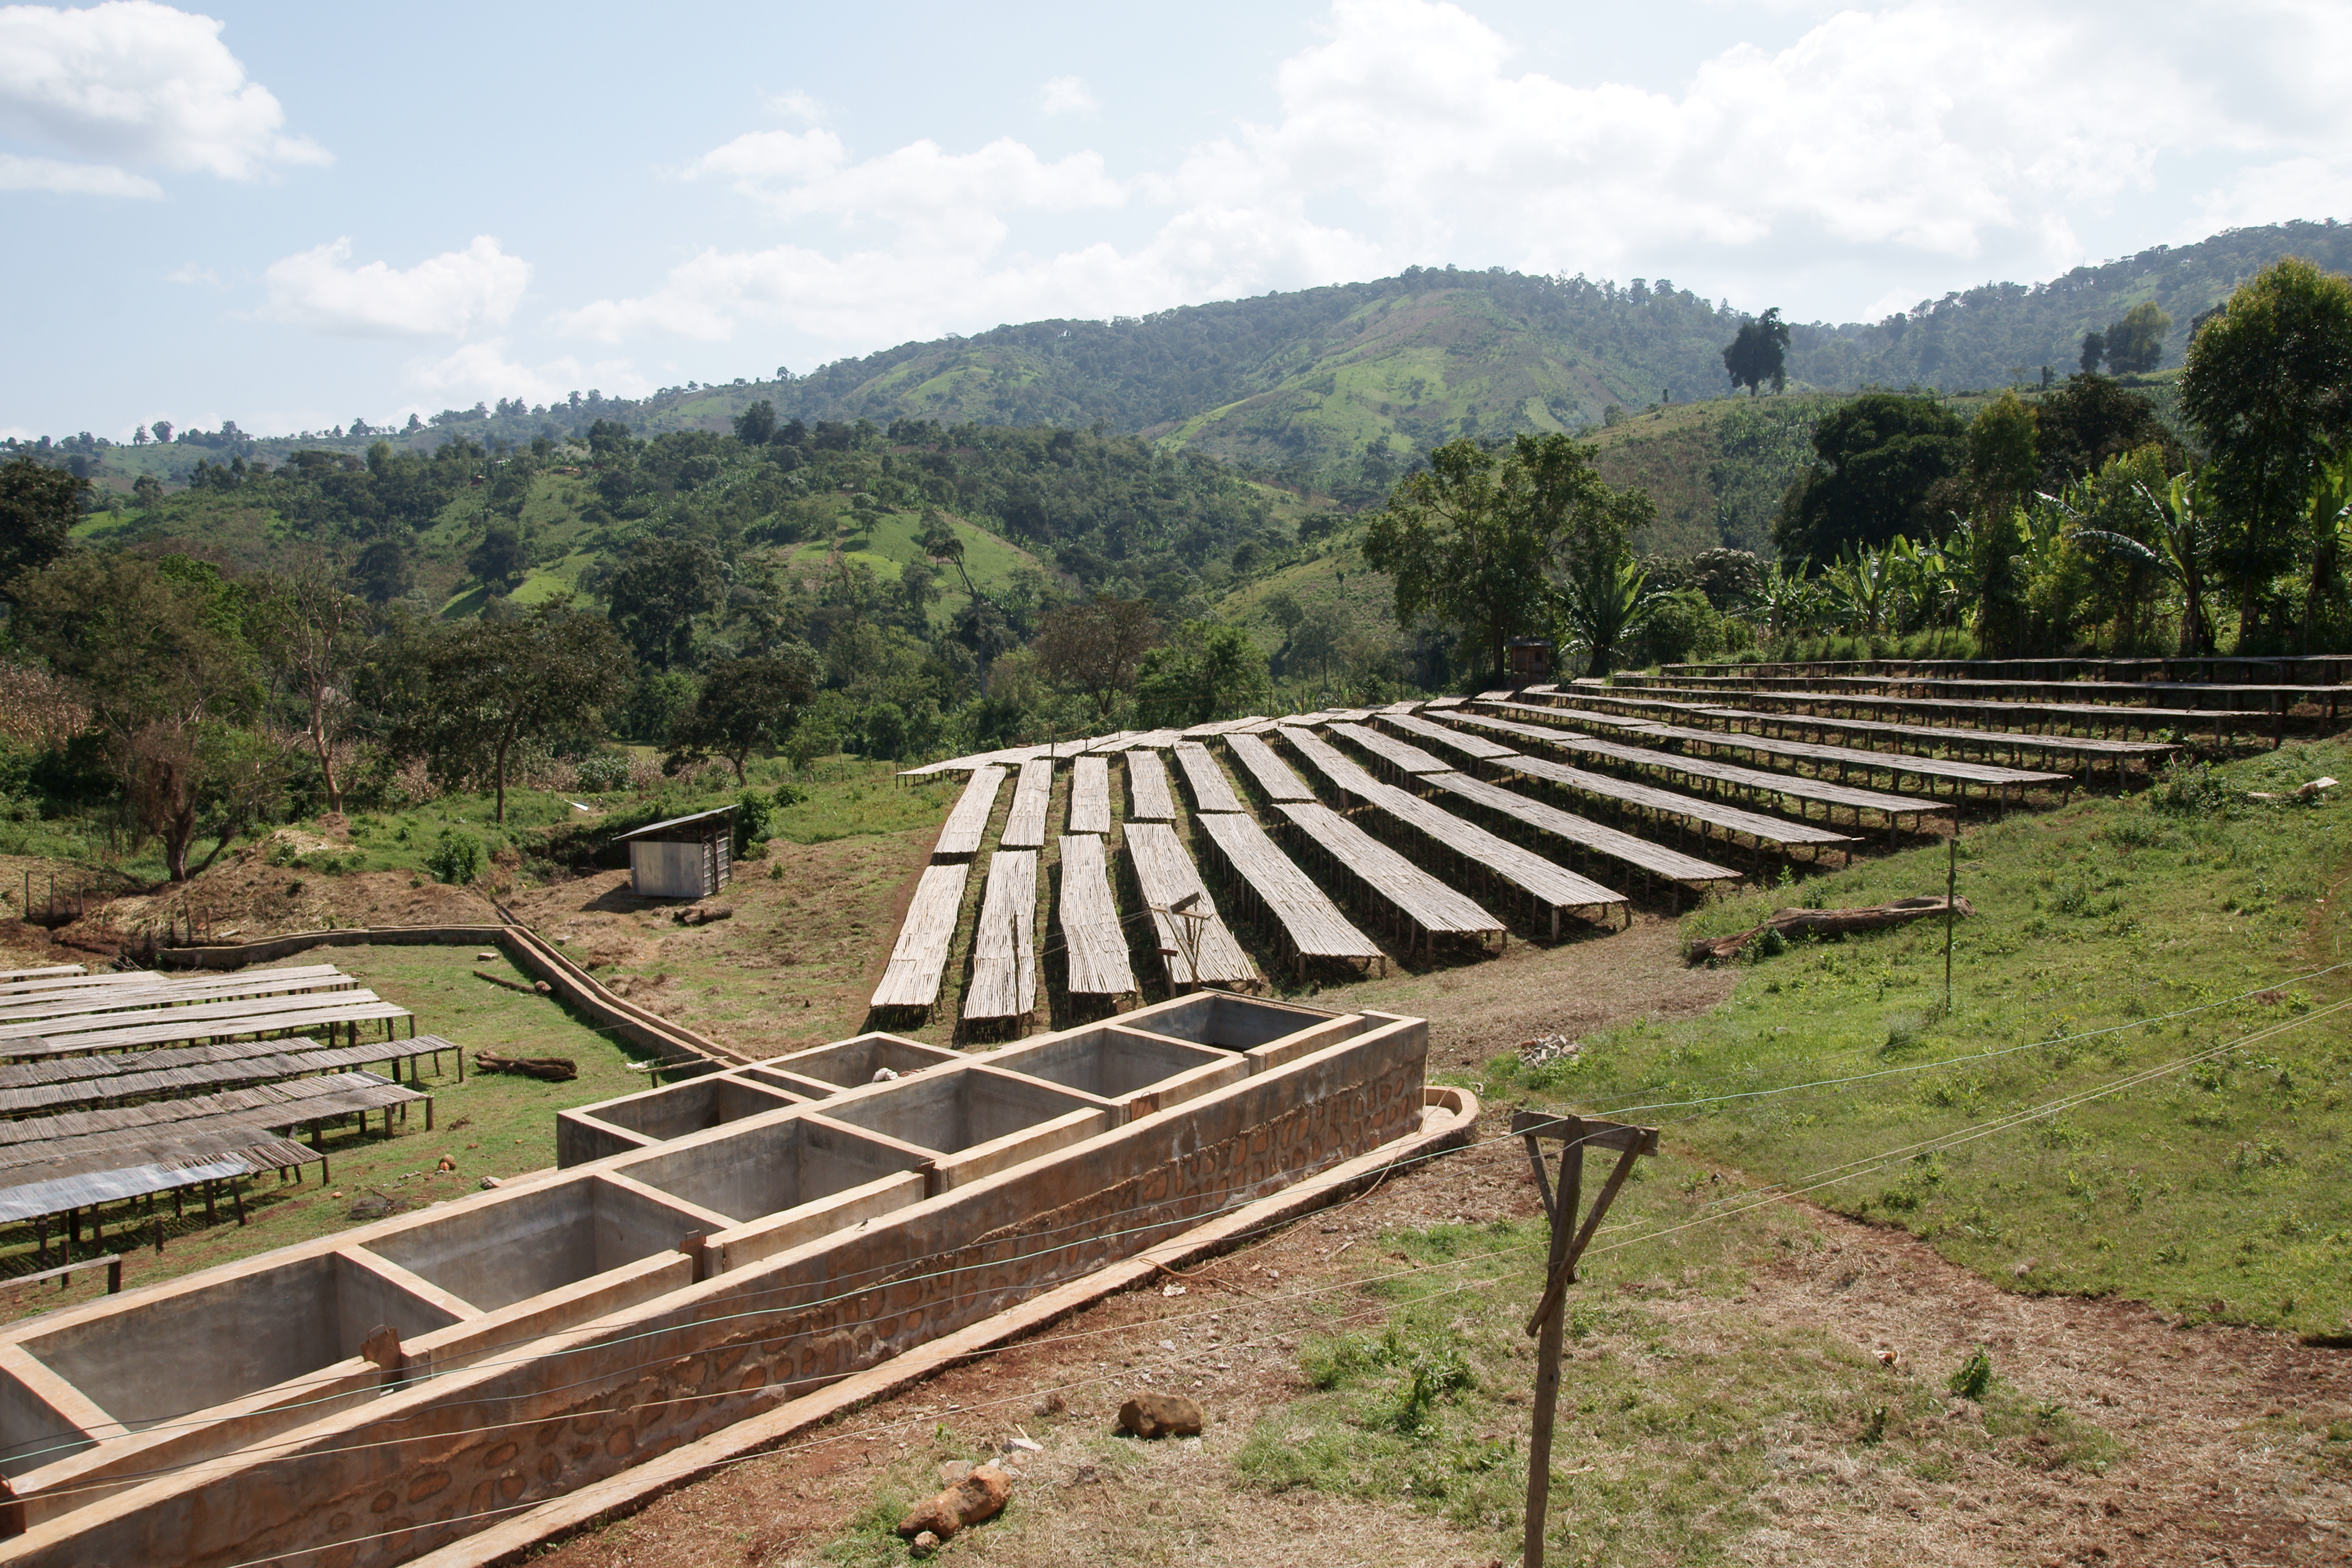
(2273, 193)
(1067, 95)
(459, 294)
(134, 82)
(1912, 138)
(799, 105)
(485, 372)
(190, 273)
(18, 174)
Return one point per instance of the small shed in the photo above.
(684, 857)
(1530, 660)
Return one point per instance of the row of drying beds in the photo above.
(658, 1196)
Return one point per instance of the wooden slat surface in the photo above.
(1024, 824)
(198, 1017)
(1004, 943)
(1165, 874)
(1091, 934)
(1272, 773)
(1638, 853)
(1427, 902)
(182, 1144)
(911, 979)
(2123, 716)
(265, 1106)
(1544, 880)
(1398, 754)
(133, 980)
(1090, 795)
(1350, 778)
(1149, 796)
(1643, 700)
(968, 823)
(173, 1033)
(1843, 757)
(124, 999)
(165, 1074)
(1211, 791)
(1474, 746)
(1788, 784)
(1309, 920)
(44, 972)
(1695, 809)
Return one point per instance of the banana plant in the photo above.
(2331, 515)
(2182, 540)
(1603, 601)
(1791, 602)
(1862, 588)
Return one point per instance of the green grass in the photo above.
(2216, 1191)
(490, 1125)
(1679, 1413)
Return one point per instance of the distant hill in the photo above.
(1339, 386)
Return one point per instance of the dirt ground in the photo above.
(2220, 1430)
(2217, 1426)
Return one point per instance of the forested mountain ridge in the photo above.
(1316, 382)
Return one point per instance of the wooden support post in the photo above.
(1568, 1240)
(1951, 887)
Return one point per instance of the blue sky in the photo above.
(292, 216)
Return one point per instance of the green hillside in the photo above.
(1337, 385)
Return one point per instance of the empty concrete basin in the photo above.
(1229, 1023)
(691, 1107)
(1118, 1063)
(766, 1170)
(187, 1351)
(494, 1255)
(846, 1063)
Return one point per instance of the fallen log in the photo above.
(555, 1069)
(1824, 923)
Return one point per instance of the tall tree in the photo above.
(39, 508)
(1472, 539)
(1881, 456)
(2135, 343)
(2004, 461)
(1207, 672)
(2090, 419)
(464, 696)
(1759, 354)
(2095, 352)
(756, 425)
(661, 586)
(314, 633)
(2269, 385)
(1095, 646)
(160, 651)
(746, 704)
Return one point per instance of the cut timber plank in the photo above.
(1024, 824)
(1754, 780)
(1149, 796)
(1091, 933)
(968, 823)
(1639, 853)
(1431, 906)
(1311, 921)
(1211, 790)
(1404, 758)
(1004, 943)
(1272, 773)
(1476, 747)
(1090, 795)
(1166, 876)
(911, 979)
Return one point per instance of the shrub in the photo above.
(1974, 1378)
(455, 858)
(601, 771)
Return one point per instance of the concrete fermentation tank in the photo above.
(684, 857)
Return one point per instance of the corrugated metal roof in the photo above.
(727, 811)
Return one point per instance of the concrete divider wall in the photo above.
(584, 1404)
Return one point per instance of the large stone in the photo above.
(1160, 1415)
(976, 1500)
